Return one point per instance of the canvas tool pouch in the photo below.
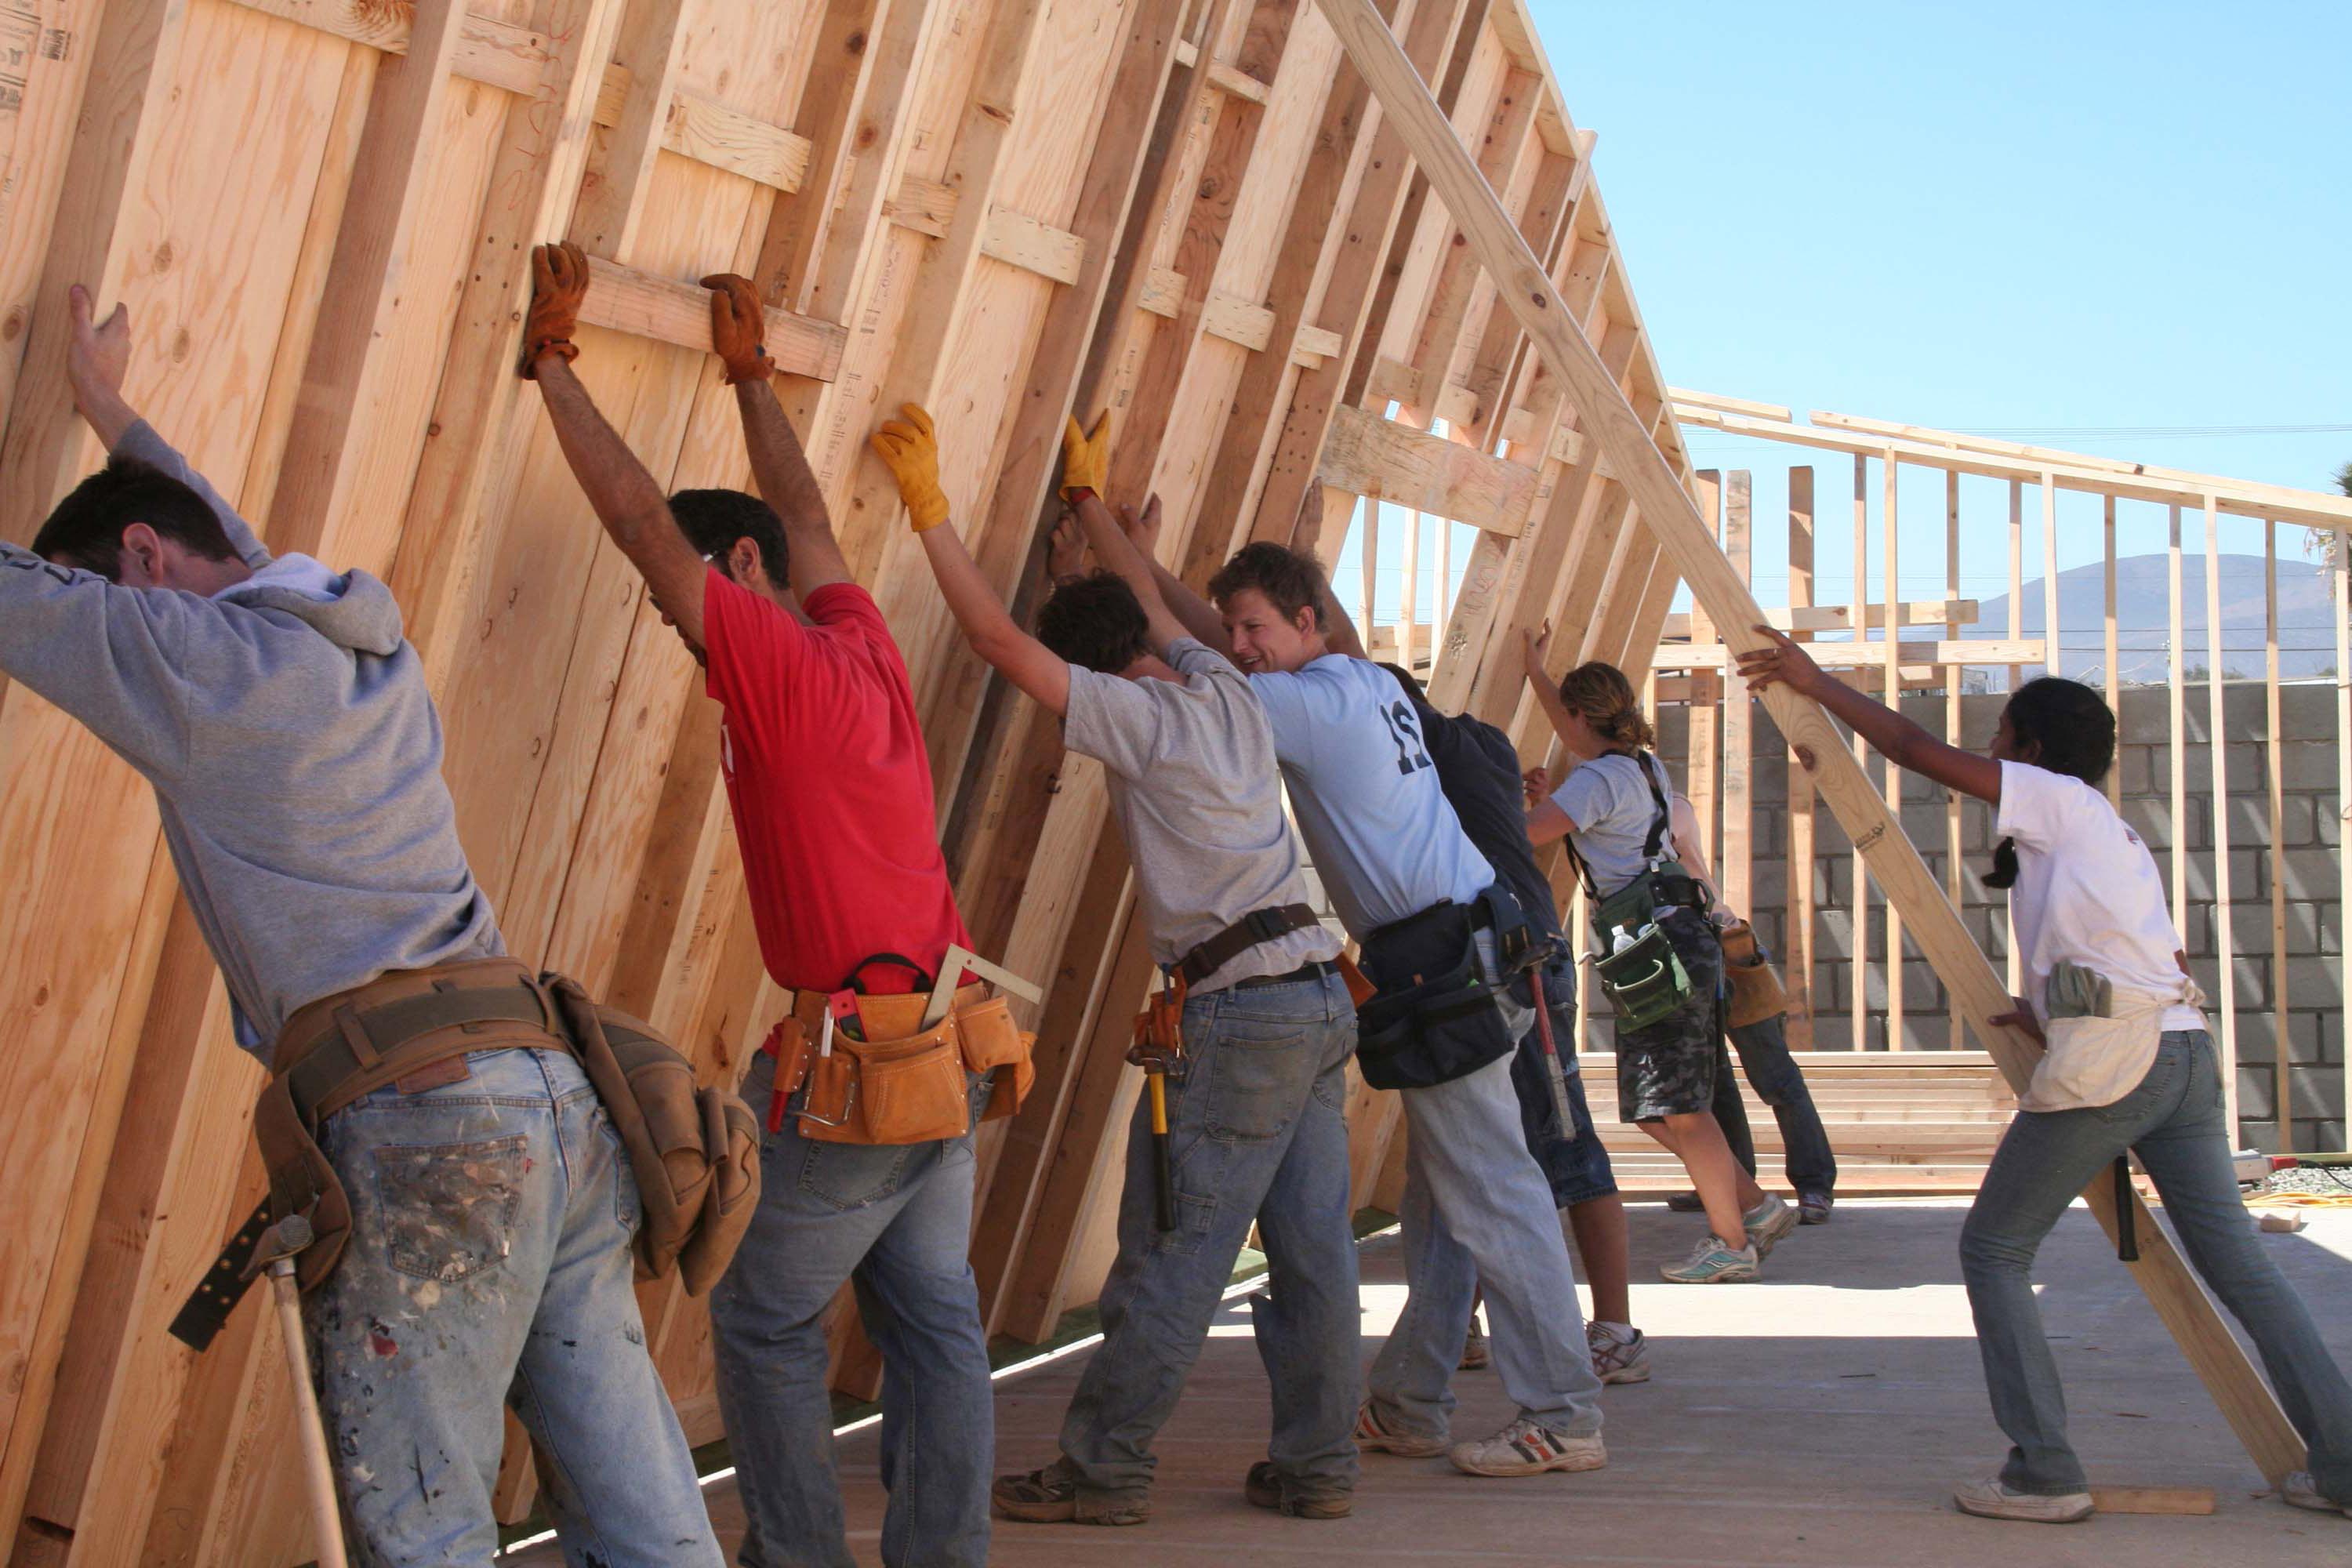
(1436, 1016)
(694, 1152)
(902, 1083)
(2102, 1039)
(1755, 992)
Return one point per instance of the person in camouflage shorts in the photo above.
(1669, 1069)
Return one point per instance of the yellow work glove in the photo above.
(1085, 457)
(911, 448)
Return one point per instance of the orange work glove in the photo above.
(559, 281)
(1085, 457)
(737, 326)
(911, 448)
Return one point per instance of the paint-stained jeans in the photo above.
(2176, 1123)
(896, 1222)
(1257, 1130)
(488, 1263)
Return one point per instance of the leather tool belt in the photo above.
(1756, 992)
(694, 1152)
(891, 1081)
(1256, 927)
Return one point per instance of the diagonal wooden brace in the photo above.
(1604, 415)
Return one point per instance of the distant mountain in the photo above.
(2143, 596)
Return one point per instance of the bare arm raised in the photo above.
(779, 465)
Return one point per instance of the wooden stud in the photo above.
(1738, 726)
(1891, 474)
(1801, 915)
(2281, 1018)
(1954, 677)
(2225, 947)
(2114, 679)
(1858, 1003)
(2177, 725)
(2340, 575)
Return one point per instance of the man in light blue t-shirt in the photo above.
(1391, 850)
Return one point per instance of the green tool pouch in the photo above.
(1644, 982)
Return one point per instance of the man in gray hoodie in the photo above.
(283, 719)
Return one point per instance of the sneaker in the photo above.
(1686, 1203)
(1474, 1348)
(1618, 1359)
(1050, 1496)
(1713, 1261)
(2301, 1491)
(1266, 1488)
(1528, 1447)
(1813, 1208)
(1374, 1433)
(1988, 1499)
(1767, 1224)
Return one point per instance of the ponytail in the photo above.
(1605, 698)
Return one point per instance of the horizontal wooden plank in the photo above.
(1312, 345)
(1867, 655)
(1235, 83)
(928, 206)
(1840, 617)
(1389, 461)
(1164, 293)
(1393, 381)
(708, 131)
(624, 299)
(1237, 321)
(1683, 395)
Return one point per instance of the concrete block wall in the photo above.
(2311, 828)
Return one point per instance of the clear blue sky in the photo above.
(2021, 219)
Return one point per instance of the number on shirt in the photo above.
(1411, 755)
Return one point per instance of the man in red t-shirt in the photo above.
(831, 789)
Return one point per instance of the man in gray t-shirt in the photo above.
(1257, 1129)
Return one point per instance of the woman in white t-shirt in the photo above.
(2128, 1067)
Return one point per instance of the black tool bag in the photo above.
(1435, 1015)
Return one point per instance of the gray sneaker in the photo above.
(1714, 1261)
(1988, 1499)
(1615, 1360)
(1768, 1222)
(2299, 1490)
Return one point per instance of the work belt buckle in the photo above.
(274, 1252)
(1267, 925)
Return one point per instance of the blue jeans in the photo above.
(895, 1221)
(2175, 1122)
(1257, 1130)
(1477, 1210)
(488, 1263)
(1779, 1083)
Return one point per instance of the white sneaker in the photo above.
(1618, 1359)
(1768, 1222)
(2300, 1490)
(1988, 1499)
(1528, 1447)
(1713, 1261)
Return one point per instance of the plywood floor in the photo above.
(1813, 1421)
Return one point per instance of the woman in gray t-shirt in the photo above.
(1613, 799)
